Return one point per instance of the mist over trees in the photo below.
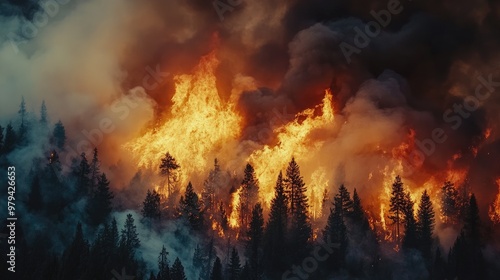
(78, 229)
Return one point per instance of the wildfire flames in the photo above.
(200, 125)
(494, 211)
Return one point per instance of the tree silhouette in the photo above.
(210, 186)
(169, 169)
(336, 232)
(254, 243)
(249, 195)
(10, 139)
(410, 239)
(300, 227)
(397, 204)
(190, 208)
(425, 224)
(99, 205)
(449, 202)
(216, 270)
(151, 205)
(177, 272)
(59, 135)
(163, 267)
(276, 230)
(129, 240)
(234, 267)
(43, 114)
(94, 170)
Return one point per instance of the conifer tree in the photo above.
(82, 175)
(449, 202)
(151, 206)
(345, 200)
(234, 267)
(210, 186)
(99, 205)
(75, 257)
(254, 244)
(129, 240)
(249, 196)
(223, 218)
(10, 139)
(163, 266)
(190, 208)
(23, 128)
(43, 114)
(300, 227)
(410, 239)
(425, 225)
(59, 135)
(397, 204)
(216, 270)
(94, 171)
(177, 271)
(358, 213)
(336, 232)
(276, 229)
(169, 168)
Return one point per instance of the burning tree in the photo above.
(249, 195)
(170, 169)
(449, 202)
(398, 203)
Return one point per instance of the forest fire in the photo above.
(494, 210)
(198, 125)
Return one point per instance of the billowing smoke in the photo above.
(106, 69)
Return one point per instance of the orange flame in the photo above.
(494, 211)
(199, 125)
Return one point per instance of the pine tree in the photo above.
(163, 266)
(397, 204)
(472, 222)
(254, 243)
(43, 114)
(190, 208)
(336, 232)
(216, 270)
(82, 175)
(129, 240)
(449, 202)
(276, 229)
(425, 225)
(345, 200)
(358, 213)
(35, 201)
(211, 184)
(59, 135)
(95, 168)
(198, 257)
(223, 218)
(177, 272)
(10, 139)
(300, 227)
(249, 195)
(23, 128)
(99, 205)
(234, 267)
(410, 239)
(151, 206)
(169, 169)
(75, 257)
